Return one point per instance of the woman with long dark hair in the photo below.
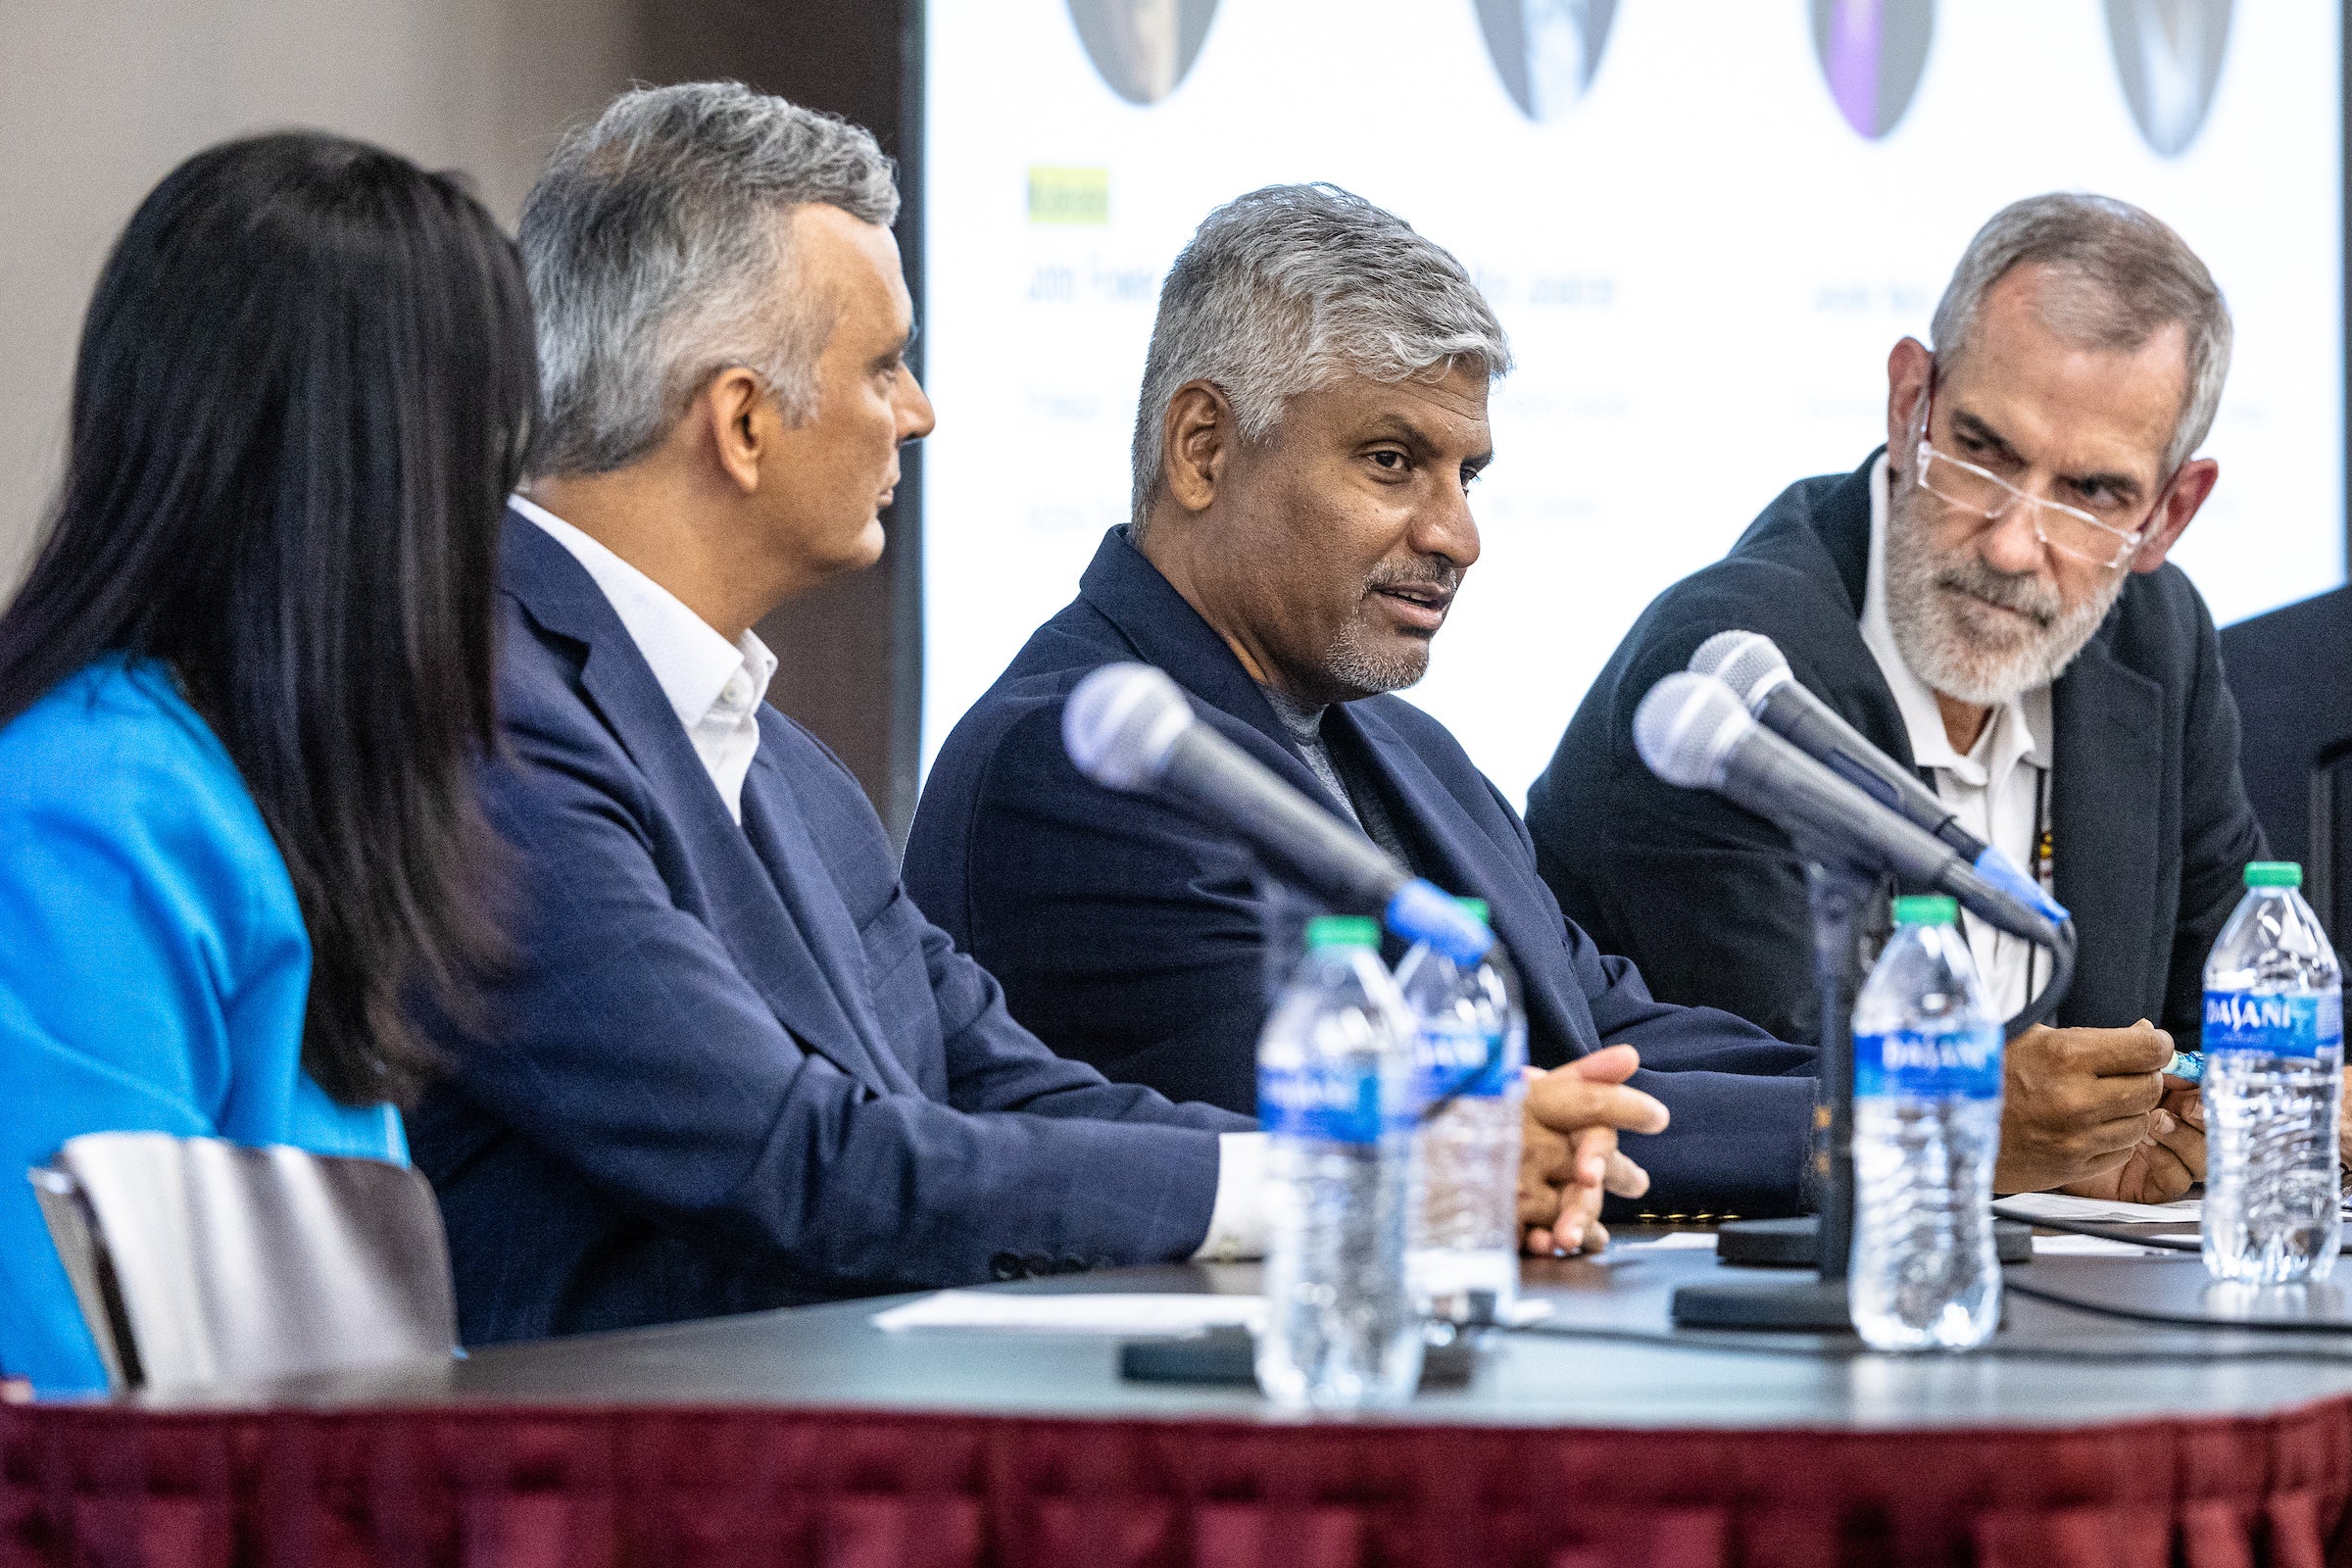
(244, 687)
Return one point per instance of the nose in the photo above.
(2010, 544)
(916, 417)
(1445, 528)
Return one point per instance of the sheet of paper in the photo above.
(2098, 1247)
(2098, 1210)
(1672, 1241)
(1116, 1315)
(1112, 1314)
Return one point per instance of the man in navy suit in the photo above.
(730, 1065)
(1987, 598)
(1312, 414)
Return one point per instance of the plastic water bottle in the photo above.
(2273, 1047)
(1927, 1127)
(1335, 1096)
(1469, 1045)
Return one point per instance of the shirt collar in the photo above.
(2017, 731)
(693, 664)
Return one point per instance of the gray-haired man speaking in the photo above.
(730, 1065)
(1313, 410)
(1985, 597)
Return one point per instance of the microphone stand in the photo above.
(1850, 906)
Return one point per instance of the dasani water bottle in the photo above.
(1469, 1047)
(2273, 1049)
(1335, 1096)
(1927, 1128)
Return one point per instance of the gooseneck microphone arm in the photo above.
(1693, 731)
(1128, 727)
(1753, 667)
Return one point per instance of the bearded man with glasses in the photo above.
(1986, 598)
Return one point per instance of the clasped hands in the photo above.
(1569, 1157)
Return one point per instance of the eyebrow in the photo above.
(2125, 485)
(1396, 427)
(898, 351)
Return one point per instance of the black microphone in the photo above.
(1129, 728)
(1753, 667)
(1693, 731)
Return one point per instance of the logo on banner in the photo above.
(2169, 53)
(1142, 49)
(1873, 53)
(1546, 51)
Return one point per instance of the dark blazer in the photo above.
(2150, 826)
(734, 1067)
(2292, 672)
(1133, 937)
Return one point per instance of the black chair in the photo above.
(2327, 877)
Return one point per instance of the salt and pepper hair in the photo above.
(2120, 277)
(1288, 289)
(654, 239)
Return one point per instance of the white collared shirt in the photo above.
(1996, 789)
(713, 686)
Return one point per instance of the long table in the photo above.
(810, 1436)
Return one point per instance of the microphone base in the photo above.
(1797, 1243)
(1793, 1306)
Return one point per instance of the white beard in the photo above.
(1967, 652)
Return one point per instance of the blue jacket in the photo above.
(154, 970)
(733, 1066)
(1129, 935)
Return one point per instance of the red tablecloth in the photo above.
(595, 1486)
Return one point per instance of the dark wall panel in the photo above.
(849, 655)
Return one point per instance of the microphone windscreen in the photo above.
(1749, 663)
(1121, 722)
(1686, 729)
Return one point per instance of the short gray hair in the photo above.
(2122, 275)
(654, 239)
(1288, 288)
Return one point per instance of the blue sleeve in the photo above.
(118, 951)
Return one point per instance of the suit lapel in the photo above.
(1468, 865)
(2106, 791)
(1165, 631)
(745, 904)
(773, 826)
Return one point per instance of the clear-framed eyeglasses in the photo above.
(1980, 492)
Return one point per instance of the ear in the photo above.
(734, 410)
(1909, 369)
(1196, 434)
(2176, 511)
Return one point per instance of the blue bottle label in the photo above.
(2272, 1025)
(1330, 1103)
(1956, 1064)
(1461, 1063)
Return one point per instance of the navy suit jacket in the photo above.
(733, 1066)
(2150, 826)
(2291, 671)
(1132, 936)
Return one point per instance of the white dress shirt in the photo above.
(1996, 789)
(715, 687)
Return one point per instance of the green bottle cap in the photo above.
(2274, 874)
(1342, 931)
(1925, 908)
(1475, 909)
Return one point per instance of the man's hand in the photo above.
(1569, 1155)
(2167, 1163)
(2077, 1102)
